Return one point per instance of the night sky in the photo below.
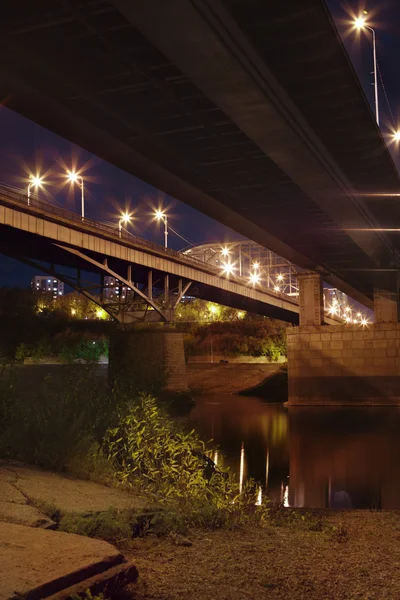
(25, 148)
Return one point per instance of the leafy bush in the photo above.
(149, 450)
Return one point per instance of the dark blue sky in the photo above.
(25, 147)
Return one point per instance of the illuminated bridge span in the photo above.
(267, 270)
(158, 277)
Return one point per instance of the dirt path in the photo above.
(358, 561)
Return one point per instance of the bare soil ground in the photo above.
(359, 560)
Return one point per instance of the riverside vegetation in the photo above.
(73, 328)
(240, 549)
(127, 440)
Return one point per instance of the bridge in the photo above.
(40, 232)
(250, 112)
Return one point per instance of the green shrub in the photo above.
(149, 450)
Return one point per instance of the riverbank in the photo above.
(354, 557)
(298, 554)
(203, 378)
(209, 378)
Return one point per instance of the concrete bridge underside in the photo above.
(223, 105)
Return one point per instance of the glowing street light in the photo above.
(360, 23)
(161, 216)
(75, 178)
(225, 251)
(255, 278)
(125, 218)
(396, 136)
(35, 182)
(228, 268)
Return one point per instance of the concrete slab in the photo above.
(66, 493)
(24, 514)
(38, 563)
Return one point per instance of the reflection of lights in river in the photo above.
(286, 497)
(241, 473)
(267, 469)
(216, 457)
(259, 496)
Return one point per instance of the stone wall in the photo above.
(344, 364)
(148, 360)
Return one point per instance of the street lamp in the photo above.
(228, 268)
(254, 278)
(396, 136)
(126, 217)
(75, 178)
(359, 24)
(161, 216)
(225, 251)
(35, 182)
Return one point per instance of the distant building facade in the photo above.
(113, 289)
(43, 284)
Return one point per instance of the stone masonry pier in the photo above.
(344, 364)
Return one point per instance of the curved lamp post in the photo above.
(35, 182)
(161, 216)
(75, 178)
(125, 218)
(360, 23)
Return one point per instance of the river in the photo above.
(321, 457)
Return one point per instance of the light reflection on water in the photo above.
(316, 457)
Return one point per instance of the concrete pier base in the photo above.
(344, 364)
(150, 361)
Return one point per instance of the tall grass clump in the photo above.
(150, 451)
(54, 426)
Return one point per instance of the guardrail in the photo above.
(110, 229)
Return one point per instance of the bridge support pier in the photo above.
(147, 360)
(348, 364)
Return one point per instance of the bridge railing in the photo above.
(110, 228)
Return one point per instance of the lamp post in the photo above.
(361, 24)
(35, 182)
(161, 216)
(126, 217)
(75, 178)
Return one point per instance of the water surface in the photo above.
(317, 457)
